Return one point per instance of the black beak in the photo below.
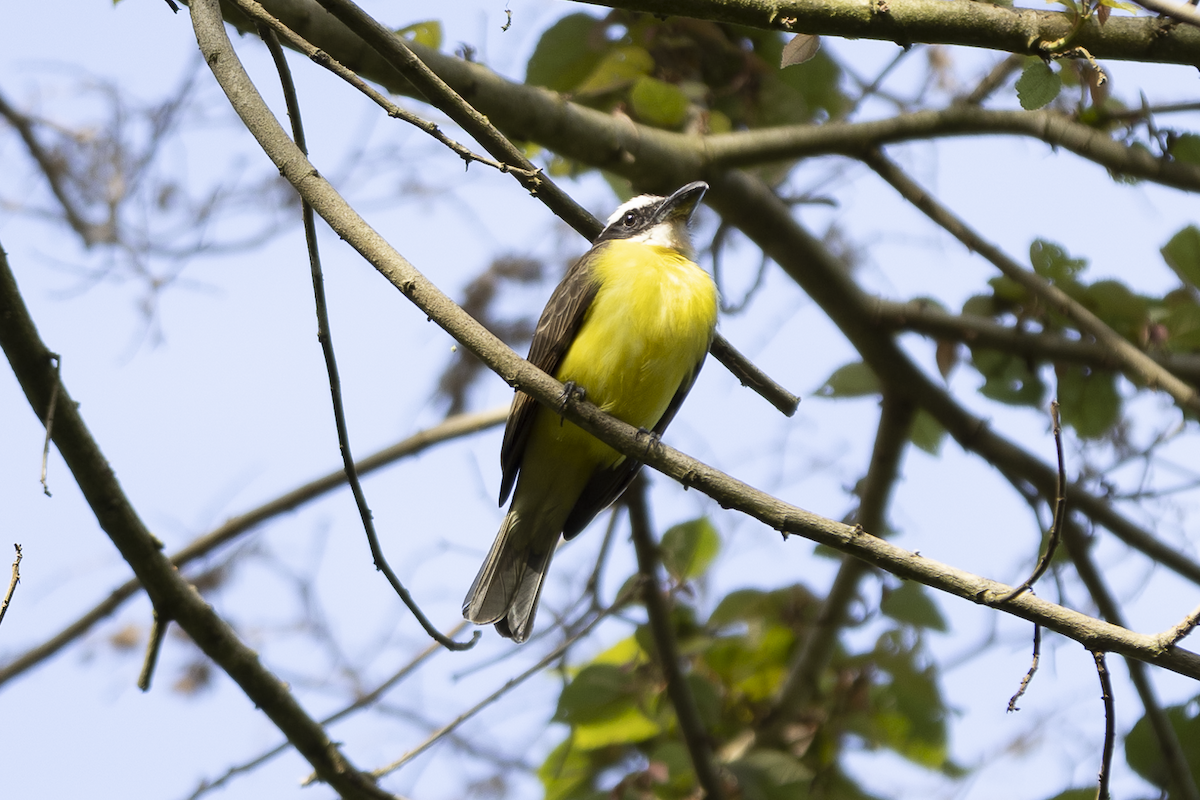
(682, 204)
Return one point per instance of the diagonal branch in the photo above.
(731, 493)
(452, 428)
(168, 590)
(697, 739)
(325, 339)
(929, 319)
(1133, 359)
(906, 22)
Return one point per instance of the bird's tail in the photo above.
(509, 583)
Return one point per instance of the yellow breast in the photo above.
(649, 325)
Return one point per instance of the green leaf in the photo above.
(428, 33)
(659, 103)
(1008, 379)
(593, 694)
(771, 775)
(617, 69)
(911, 605)
(564, 56)
(689, 547)
(1089, 401)
(1123, 311)
(1038, 85)
(852, 380)
(1052, 262)
(1186, 148)
(567, 773)
(1145, 756)
(624, 724)
(927, 433)
(1182, 254)
(1183, 327)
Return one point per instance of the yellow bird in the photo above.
(630, 324)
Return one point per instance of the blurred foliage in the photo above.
(1145, 756)
(1092, 400)
(682, 74)
(623, 739)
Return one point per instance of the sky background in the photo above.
(217, 401)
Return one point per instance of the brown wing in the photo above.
(606, 485)
(556, 329)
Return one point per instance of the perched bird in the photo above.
(630, 325)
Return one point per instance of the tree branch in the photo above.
(1183, 785)
(12, 583)
(907, 22)
(452, 428)
(695, 737)
(854, 139)
(924, 317)
(168, 590)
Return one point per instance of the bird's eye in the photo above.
(629, 219)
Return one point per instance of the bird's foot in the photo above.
(571, 391)
(652, 438)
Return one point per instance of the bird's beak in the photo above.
(682, 204)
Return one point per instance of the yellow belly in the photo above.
(648, 327)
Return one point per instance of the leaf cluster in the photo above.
(623, 736)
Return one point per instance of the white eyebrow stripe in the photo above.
(641, 201)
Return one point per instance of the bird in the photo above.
(629, 326)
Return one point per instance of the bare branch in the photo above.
(1037, 652)
(1060, 510)
(158, 629)
(927, 318)
(12, 583)
(905, 22)
(325, 337)
(168, 591)
(1182, 782)
(452, 428)
(360, 703)
(1110, 726)
(697, 739)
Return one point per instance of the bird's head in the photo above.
(655, 220)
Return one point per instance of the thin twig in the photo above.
(510, 684)
(158, 629)
(325, 337)
(1110, 726)
(1182, 782)
(49, 421)
(255, 11)
(1060, 510)
(697, 739)
(365, 700)
(1142, 365)
(993, 80)
(1037, 654)
(753, 377)
(449, 429)
(1174, 635)
(12, 583)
